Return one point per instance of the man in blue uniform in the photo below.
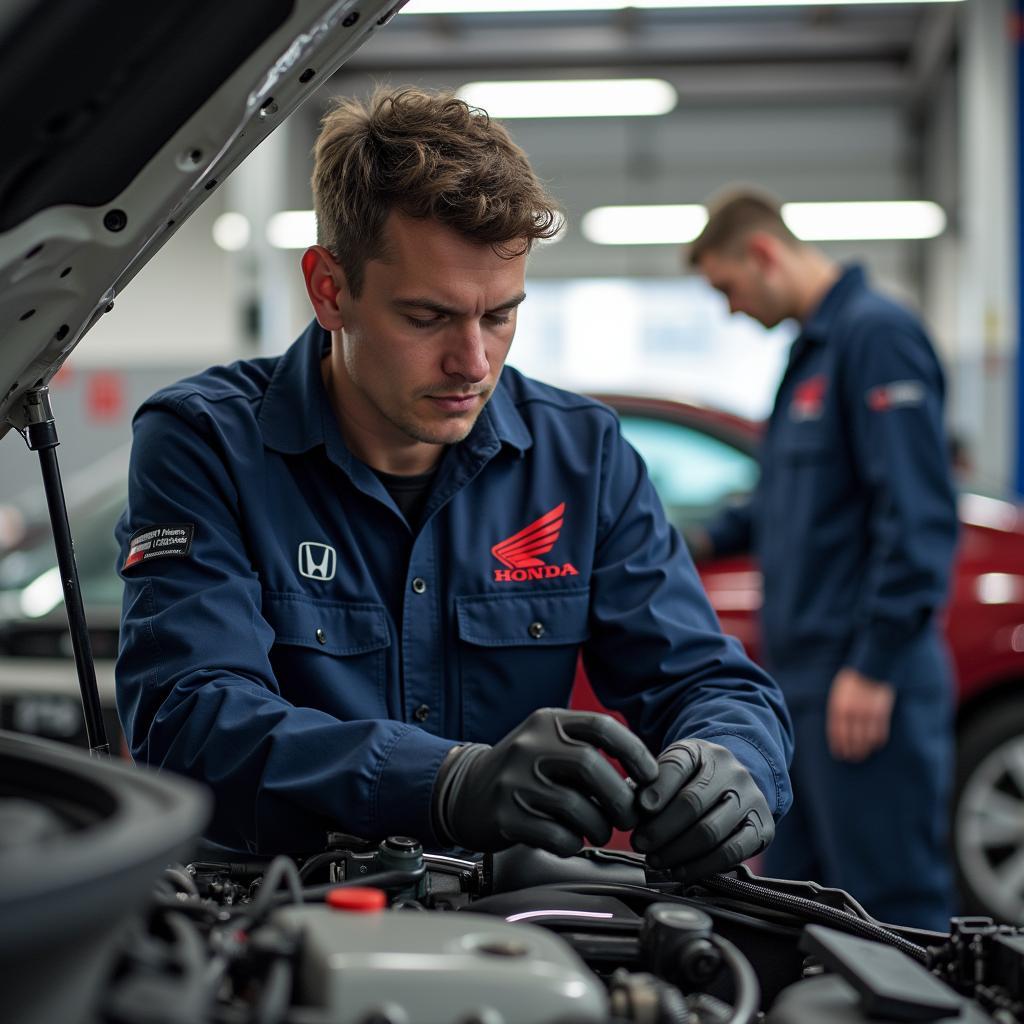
(854, 526)
(358, 575)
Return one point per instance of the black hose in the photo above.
(281, 868)
(396, 879)
(276, 994)
(182, 879)
(748, 991)
(202, 974)
(809, 909)
(319, 861)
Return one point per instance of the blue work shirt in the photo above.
(296, 645)
(854, 518)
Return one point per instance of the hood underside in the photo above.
(122, 118)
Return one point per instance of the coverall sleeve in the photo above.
(657, 653)
(893, 395)
(196, 692)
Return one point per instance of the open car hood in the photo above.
(121, 119)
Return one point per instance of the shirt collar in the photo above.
(292, 416)
(819, 324)
(504, 418)
(296, 414)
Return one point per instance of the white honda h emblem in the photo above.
(317, 561)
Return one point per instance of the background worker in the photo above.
(382, 553)
(853, 524)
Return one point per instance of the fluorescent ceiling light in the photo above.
(533, 6)
(615, 97)
(296, 229)
(292, 229)
(231, 231)
(813, 222)
(827, 222)
(643, 225)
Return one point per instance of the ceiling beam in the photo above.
(620, 46)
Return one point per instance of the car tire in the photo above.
(988, 812)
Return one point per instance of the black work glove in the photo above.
(545, 784)
(704, 813)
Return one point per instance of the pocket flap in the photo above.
(525, 619)
(334, 627)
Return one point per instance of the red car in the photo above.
(699, 459)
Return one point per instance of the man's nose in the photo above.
(467, 357)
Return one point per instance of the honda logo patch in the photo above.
(521, 552)
(317, 561)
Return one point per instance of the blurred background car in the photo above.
(700, 459)
(38, 686)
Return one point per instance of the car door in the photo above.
(697, 472)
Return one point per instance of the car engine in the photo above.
(387, 934)
(111, 914)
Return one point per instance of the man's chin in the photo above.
(451, 431)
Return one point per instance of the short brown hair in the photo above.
(732, 217)
(427, 155)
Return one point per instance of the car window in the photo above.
(96, 552)
(694, 473)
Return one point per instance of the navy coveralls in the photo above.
(854, 526)
(290, 640)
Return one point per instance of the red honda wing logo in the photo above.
(521, 552)
(809, 399)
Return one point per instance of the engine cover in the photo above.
(415, 968)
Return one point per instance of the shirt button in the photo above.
(422, 713)
(419, 585)
(321, 636)
(536, 630)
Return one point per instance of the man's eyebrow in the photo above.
(443, 310)
(511, 304)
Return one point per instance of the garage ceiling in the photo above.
(814, 103)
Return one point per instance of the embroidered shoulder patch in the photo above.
(900, 394)
(166, 540)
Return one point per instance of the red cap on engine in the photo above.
(357, 898)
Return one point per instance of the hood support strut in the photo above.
(40, 435)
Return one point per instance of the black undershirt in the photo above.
(409, 493)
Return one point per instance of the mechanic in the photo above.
(358, 576)
(854, 525)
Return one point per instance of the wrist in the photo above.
(447, 784)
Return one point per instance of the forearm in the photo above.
(282, 775)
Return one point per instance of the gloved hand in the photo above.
(544, 784)
(704, 813)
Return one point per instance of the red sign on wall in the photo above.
(104, 395)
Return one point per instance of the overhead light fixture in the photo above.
(644, 225)
(231, 231)
(813, 222)
(595, 97)
(296, 229)
(292, 229)
(832, 222)
(535, 6)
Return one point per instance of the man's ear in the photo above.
(325, 286)
(763, 249)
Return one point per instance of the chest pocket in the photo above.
(804, 442)
(517, 653)
(330, 655)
